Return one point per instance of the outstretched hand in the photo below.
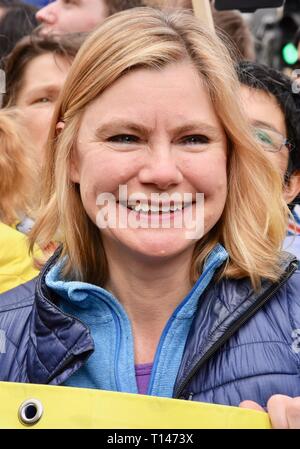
(284, 411)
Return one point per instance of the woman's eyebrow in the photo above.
(117, 125)
(43, 88)
(199, 127)
(266, 125)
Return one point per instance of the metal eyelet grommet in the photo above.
(30, 412)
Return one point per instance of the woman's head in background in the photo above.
(35, 73)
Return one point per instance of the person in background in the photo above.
(230, 24)
(274, 113)
(297, 42)
(203, 311)
(61, 16)
(35, 73)
(18, 192)
(18, 20)
(233, 24)
(5, 5)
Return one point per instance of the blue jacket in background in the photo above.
(241, 345)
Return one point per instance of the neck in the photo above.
(148, 289)
(155, 288)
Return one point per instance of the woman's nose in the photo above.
(162, 171)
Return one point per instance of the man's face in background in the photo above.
(71, 16)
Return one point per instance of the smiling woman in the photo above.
(150, 109)
(215, 89)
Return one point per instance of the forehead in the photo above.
(262, 106)
(45, 68)
(159, 97)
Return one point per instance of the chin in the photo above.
(150, 244)
(159, 246)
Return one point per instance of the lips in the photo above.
(161, 208)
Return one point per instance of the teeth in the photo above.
(146, 208)
(175, 207)
(154, 208)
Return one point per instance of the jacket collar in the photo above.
(224, 308)
(59, 344)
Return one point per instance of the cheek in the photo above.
(101, 172)
(208, 175)
(91, 23)
(81, 21)
(67, 22)
(38, 123)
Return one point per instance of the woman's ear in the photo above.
(73, 165)
(292, 187)
(59, 127)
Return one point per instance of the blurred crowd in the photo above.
(39, 41)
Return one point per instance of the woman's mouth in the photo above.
(156, 213)
(155, 208)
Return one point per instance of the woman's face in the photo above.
(154, 132)
(42, 82)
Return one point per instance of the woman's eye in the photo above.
(123, 138)
(263, 137)
(195, 140)
(41, 100)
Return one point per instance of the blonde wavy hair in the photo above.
(18, 170)
(253, 222)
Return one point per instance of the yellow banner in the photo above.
(28, 406)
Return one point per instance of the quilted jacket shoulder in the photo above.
(260, 359)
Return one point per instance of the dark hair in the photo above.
(31, 47)
(7, 3)
(18, 21)
(297, 37)
(269, 80)
(115, 6)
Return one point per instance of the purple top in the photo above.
(142, 374)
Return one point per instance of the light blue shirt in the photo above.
(111, 366)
